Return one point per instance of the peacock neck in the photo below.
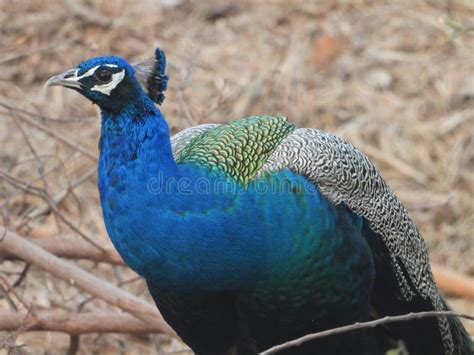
(135, 141)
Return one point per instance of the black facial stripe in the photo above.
(88, 81)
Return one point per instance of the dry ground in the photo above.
(396, 78)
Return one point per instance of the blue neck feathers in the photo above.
(137, 137)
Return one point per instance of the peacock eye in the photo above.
(103, 75)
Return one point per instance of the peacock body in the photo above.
(256, 232)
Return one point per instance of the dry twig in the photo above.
(72, 249)
(364, 325)
(75, 324)
(33, 254)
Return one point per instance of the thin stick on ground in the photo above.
(12, 243)
(364, 325)
(75, 323)
(7, 289)
(72, 249)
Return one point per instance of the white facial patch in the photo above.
(107, 88)
(90, 72)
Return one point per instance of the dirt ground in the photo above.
(396, 78)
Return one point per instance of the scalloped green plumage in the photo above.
(240, 148)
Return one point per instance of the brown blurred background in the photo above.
(396, 78)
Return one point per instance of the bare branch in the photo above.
(13, 244)
(75, 323)
(364, 325)
(72, 249)
(8, 289)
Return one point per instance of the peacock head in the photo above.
(111, 82)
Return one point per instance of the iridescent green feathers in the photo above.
(240, 148)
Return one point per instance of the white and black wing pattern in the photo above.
(180, 140)
(345, 175)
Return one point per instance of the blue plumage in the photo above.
(157, 82)
(234, 267)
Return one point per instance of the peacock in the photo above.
(256, 232)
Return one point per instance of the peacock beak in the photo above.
(68, 79)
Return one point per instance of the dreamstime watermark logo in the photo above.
(222, 185)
